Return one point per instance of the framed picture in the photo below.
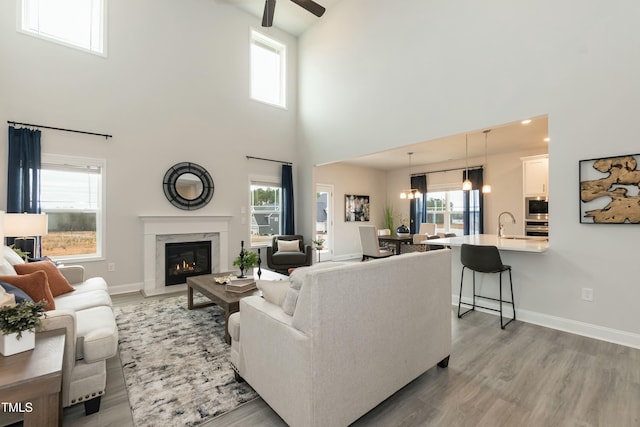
(609, 190)
(356, 208)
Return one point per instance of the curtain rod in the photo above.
(447, 170)
(270, 160)
(62, 129)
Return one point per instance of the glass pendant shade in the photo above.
(466, 185)
(403, 195)
(486, 188)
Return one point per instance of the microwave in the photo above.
(536, 208)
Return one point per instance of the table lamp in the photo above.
(25, 227)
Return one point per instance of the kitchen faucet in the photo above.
(500, 226)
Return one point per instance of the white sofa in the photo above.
(91, 333)
(359, 332)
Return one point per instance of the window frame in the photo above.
(266, 180)
(281, 49)
(78, 161)
(21, 27)
(447, 212)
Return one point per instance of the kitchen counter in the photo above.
(506, 243)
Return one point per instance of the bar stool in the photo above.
(484, 259)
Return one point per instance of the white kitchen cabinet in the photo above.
(535, 175)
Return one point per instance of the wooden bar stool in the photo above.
(484, 259)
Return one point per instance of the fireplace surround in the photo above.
(159, 230)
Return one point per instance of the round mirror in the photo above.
(188, 186)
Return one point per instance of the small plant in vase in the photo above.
(18, 323)
(246, 260)
(318, 243)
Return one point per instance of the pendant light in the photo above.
(486, 188)
(411, 193)
(466, 185)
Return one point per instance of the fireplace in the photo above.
(186, 259)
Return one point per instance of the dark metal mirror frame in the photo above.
(169, 186)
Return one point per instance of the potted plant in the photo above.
(245, 261)
(18, 323)
(318, 242)
(388, 217)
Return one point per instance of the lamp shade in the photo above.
(25, 224)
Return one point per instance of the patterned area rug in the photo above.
(176, 363)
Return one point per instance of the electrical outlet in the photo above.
(111, 266)
(587, 294)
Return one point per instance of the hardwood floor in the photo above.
(524, 375)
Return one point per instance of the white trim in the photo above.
(126, 288)
(589, 330)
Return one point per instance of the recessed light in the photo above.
(526, 122)
(547, 139)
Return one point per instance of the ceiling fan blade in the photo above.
(311, 6)
(267, 16)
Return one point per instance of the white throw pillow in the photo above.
(288, 245)
(290, 300)
(6, 269)
(273, 291)
(6, 298)
(10, 255)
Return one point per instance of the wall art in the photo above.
(356, 208)
(609, 190)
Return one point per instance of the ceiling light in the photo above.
(411, 193)
(466, 185)
(547, 139)
(526, 122)
(486, 188)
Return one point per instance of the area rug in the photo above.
(176, 363)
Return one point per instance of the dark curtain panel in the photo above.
(288, 226)
(418, 207)
(23, 181)
(473, 203)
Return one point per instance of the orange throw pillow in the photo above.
(57, 282)
(35, 285)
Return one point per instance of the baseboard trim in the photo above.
(589, 330)
(347, 257)
(126, 288)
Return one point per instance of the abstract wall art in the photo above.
(609, 190)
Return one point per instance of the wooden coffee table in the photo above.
(228, 301)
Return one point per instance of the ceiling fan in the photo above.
(270, 7)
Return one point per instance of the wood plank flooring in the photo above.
(525, 375)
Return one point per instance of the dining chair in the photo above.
(370, 245)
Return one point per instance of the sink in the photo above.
(540, 238)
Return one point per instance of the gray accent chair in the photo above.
(282, 260)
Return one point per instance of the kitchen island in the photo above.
(505, 243)
(525, 255)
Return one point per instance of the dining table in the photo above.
(396, 240)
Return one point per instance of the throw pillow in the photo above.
(6, 268)
(57, 282)
(288, 245)
(273, 291)
(19, 294)
(35, 285)
(290, 300)
(11, 256)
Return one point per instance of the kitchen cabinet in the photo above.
(535, 175)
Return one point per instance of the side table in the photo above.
(31, 381)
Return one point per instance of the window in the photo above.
(445, 209)
(268, 59)
(76, 23)
(71, 193)
(266, 213)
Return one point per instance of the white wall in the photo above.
(347, 179)
(375, 77)
(174, 87)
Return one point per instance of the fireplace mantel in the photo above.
(158, 225)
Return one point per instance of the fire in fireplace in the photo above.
(186, 259)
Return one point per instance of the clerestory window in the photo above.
(268, 65)
(80, 24)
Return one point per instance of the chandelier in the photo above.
(411, 193)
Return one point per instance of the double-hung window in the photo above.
(268, 70)
(79, 24)
(266, 210)
(72, 194)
